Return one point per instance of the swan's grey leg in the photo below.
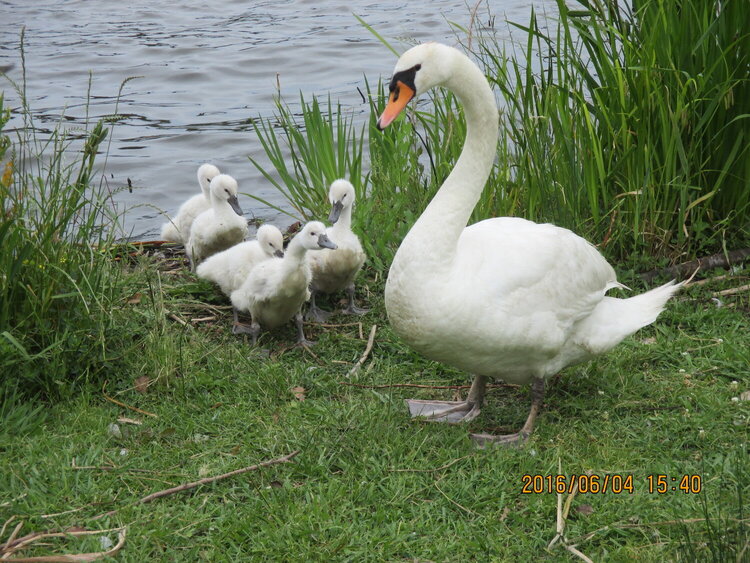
(452, 411)
(314, 313)
(301, 340)
(537, 396)
(237, 326)
(352, 309)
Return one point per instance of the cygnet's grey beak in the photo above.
(279, 253)
(235, 205)
(335, 212)
(325, 242)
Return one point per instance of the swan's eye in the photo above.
(417, 67)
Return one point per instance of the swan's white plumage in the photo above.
(506, 297)
(276, 289)
(230, 268)
(335, 270)
(178, 229)
(220, 227)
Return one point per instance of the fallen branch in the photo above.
(731, 291)
(115, 401)
(31, 538)
(419, 386)
(204, 481)
(714, 261)
(562, 518)
(174, 317)
(366, 353)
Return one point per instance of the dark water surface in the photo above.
(203, 69)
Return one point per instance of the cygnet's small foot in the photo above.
(352, 309)
(316, 315)
(302, 341)
(305, 343)
(452, 412)
(483, 441)
(241, 328)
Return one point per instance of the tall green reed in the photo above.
(631, 125)
(308, 154)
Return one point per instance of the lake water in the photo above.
(205, 68)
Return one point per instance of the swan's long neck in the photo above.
(344, 222)
(203, 183)
(294, 254)
(221, 207)
(446, 216)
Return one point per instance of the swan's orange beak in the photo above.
(400, 96)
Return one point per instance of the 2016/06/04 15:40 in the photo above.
(609, 483)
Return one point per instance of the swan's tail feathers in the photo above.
(614, 319)
(170, 233)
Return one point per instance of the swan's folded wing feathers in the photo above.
(525, 271)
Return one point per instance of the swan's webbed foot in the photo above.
(314, 313)
(352, 308)
(453, 412)
(483, 441)
(301, 340)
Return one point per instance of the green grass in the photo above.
(369, 484)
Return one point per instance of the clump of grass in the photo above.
(58, 284)
(324, 146)
(630, 125)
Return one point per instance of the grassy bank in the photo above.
(58, 285)
(368, 483)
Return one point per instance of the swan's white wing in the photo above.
(524, 267)
(520, 287)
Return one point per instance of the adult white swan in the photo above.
(503, 298)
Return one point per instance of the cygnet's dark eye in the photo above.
(226, 190)
(417, 67)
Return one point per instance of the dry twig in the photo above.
(366, 353)
(732, 291)
(31, 538)
(419, 386)
(714, 261)
(204, 481)
(115, 401)
(562, 516)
